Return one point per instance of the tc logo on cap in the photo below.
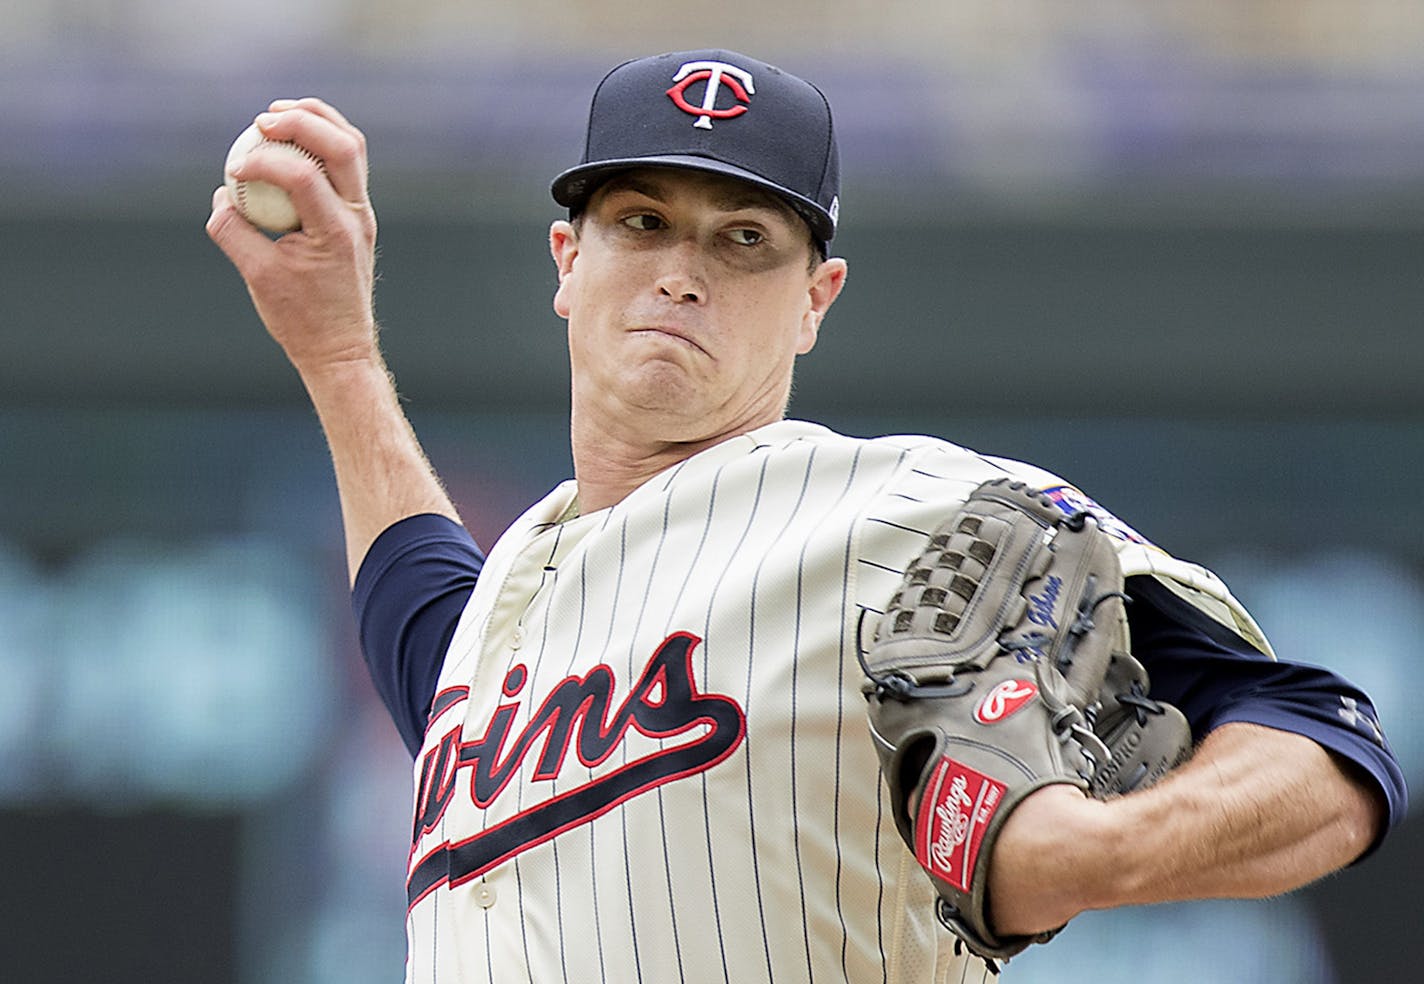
(714, 73)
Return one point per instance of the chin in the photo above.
(660, 385)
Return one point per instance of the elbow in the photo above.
(1368, 825)
(1363, 814)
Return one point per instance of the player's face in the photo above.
(688, 297)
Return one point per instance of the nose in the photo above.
(681, 287)
(680, 278)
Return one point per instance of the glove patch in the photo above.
(955, 812)
(1004, 700)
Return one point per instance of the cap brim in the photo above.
(573, 188)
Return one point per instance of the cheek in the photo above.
(591, 287)
(781, 320)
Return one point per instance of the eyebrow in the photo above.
(731, 199)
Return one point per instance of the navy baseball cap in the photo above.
(716, 111)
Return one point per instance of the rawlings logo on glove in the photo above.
(953, 821)
(1004, 700)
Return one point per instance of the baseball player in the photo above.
(639, 729)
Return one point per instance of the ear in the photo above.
(563, 246)
(825, 287)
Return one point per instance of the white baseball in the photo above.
(264, 205)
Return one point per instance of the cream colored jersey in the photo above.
(648, 757)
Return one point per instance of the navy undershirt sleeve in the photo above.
(410, 590)
(1215, 677)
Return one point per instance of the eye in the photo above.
(643, 222)
(745, 237)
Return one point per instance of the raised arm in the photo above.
(313, 291)
(1256, 812)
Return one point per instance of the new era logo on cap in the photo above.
(715, 111)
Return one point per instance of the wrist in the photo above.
(340, 366)
(1051, 863)
(353, 383)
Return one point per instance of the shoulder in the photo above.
(930, 477)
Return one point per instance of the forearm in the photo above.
(1256, 812)
(313, 290)
(382, 473)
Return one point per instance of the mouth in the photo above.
(665, 331)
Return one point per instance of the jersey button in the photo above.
(484, 895)
(516, 638)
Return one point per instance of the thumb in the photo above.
(242, 242)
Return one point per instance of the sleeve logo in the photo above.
(1072, 501)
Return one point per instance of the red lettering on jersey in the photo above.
(578, 711)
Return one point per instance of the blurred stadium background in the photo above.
(1196, 226)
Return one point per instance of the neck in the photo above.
(609, 466)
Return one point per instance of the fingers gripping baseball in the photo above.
(307, 151)
(312, 288)
(320, 129)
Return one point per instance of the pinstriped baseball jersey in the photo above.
(648, 757)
